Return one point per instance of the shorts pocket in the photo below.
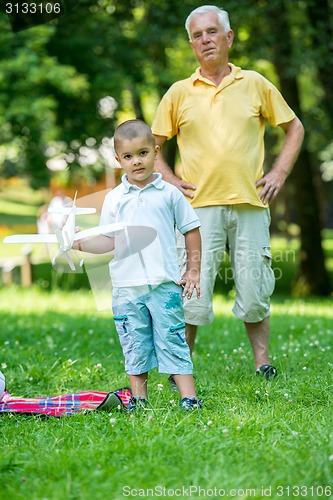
(121, 322)
(177, 338)
(122, 327)
(179, 331)
(267, 274)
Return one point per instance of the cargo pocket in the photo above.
(177, 338)
(121, 323)
(267, 274)
(122, 327)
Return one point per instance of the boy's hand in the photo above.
(190, 281)
(76, 244)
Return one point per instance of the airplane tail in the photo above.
(73, 208)
(62, 251)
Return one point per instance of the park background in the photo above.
(64, 86)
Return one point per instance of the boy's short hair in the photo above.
(131, 129)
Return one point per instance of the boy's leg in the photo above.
(133, 324)
(139, 385)
(139, 398)
(172, 350)
(186, 387)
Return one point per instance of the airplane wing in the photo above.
(94, 231)
(52, 238)
(31, 238)
(69, 210)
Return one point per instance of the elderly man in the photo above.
(218, 115)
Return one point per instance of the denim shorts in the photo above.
(242, 230)
(151, 326)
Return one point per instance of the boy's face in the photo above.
(137, 156)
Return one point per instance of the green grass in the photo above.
(252, 439)
(250, 435)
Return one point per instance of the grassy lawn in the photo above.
(252, 438)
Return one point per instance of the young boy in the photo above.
(147, 286)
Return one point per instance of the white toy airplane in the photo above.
(66, 236)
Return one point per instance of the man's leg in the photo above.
(258, 334)
(213, 236)
(254, 278)
(191, 333)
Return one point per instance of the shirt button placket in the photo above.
(140, 199)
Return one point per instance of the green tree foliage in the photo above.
(30, 81)
(126, 53)
(288, 39)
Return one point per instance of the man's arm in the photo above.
(163, 168)
(273, 181)
(191, 278)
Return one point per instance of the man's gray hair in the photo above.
(222, 14)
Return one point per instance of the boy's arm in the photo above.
(97, 244)
(191, 278)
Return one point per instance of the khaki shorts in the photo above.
(242, 230)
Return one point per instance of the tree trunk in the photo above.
(312, 275)
(319, 13)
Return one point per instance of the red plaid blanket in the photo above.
(66, 404)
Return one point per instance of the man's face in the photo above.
(208, 39)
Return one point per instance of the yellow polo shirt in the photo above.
(220, 133)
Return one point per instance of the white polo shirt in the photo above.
(142, 256)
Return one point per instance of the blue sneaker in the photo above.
(189, 404)
(267, 371)
(137, 402)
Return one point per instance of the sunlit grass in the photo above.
(251, 434)
(311, 307)
(15, 208)
(34, 300)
